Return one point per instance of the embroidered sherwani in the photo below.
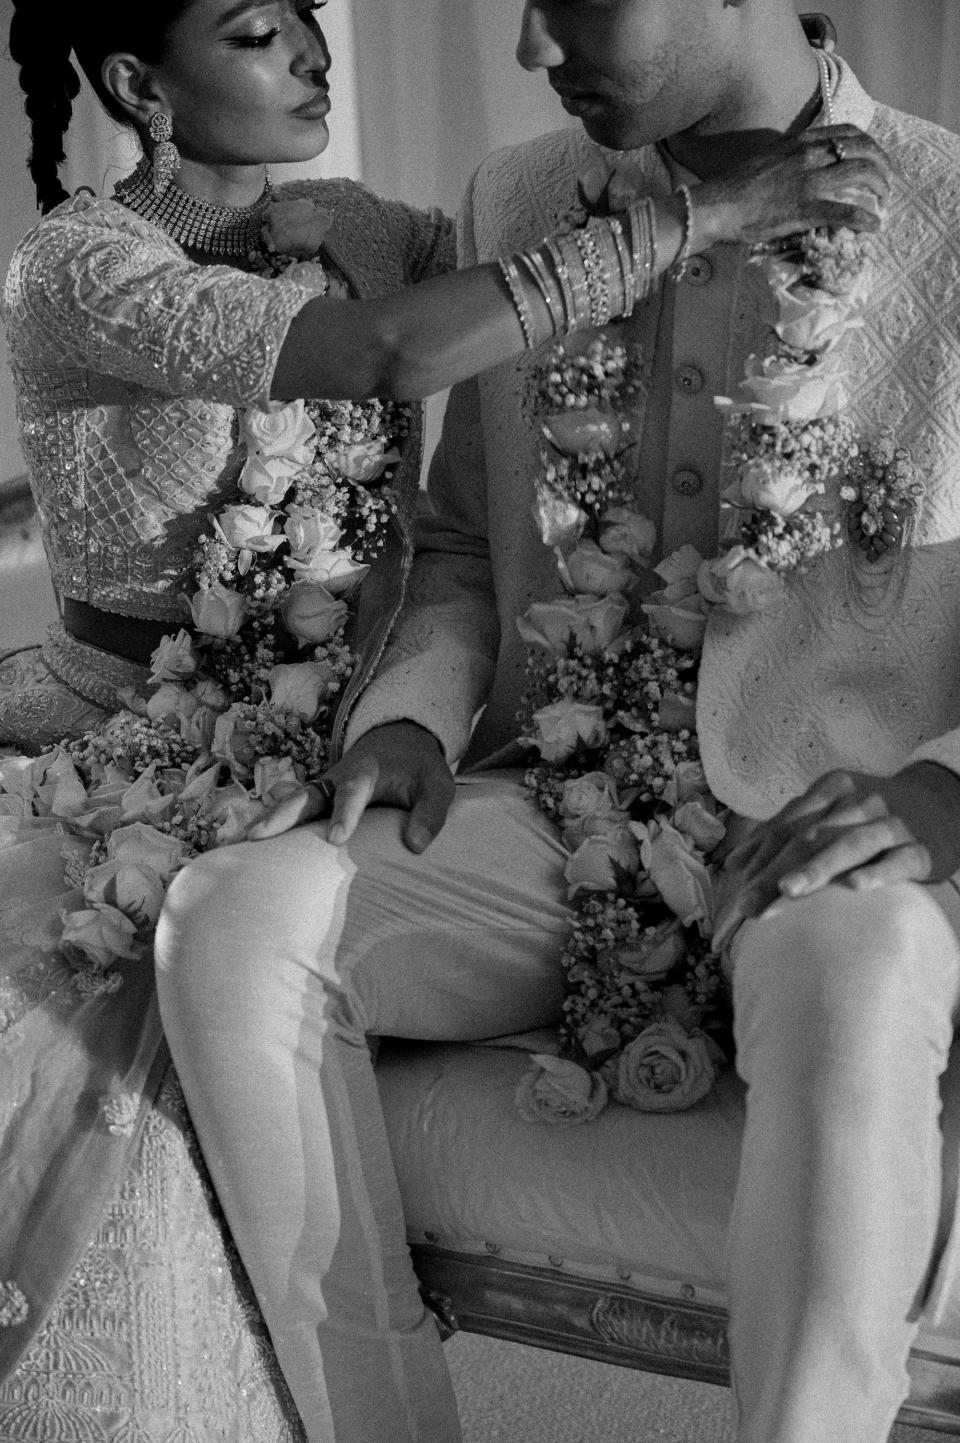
(832, 677)
(131, 365)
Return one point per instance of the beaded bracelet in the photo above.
(518, 295)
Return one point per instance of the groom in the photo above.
(832, 722)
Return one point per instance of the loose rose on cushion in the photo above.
(559, 522)
(627, 533)
(145, 801)
(218, 610)
(588, 569)
(311, 613)
(664, 1069)
(592, 621)
(299, 687)
(199, 727)
(310, 530)
(174, 659)
(102, 933)
(170, 701)
(296, 227)
(740, 583)
(281, 429)
(563, 726)
(268, 479)
(558, 1091)
(335, 570)
(364, 462)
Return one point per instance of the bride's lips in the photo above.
(316, 107)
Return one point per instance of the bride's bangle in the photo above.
(588, 277)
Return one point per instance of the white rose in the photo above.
(586, 432)
(275, 778)
(268, 479)
(592, 621)
(103, 934)
(808, 318)
(592, 570)
(138, 842)
(299, 687)
(235, 817)
(336, 570)
(703, 827)
(248, 528)
(310, 530)
(218, 610)
(791, 390)
(562, 727)
(664, 1069)
(594, 865)
(740, 583)
(768, 485)
(232, 744)
(679, 875)
(681, 624)
(166, 701)
(593, 794)
(174, 659)
(559, 522)
(363, 462)
(654, 955)
(311, 613)
(628, 533)
(144, 801)
(132, 887)
(558, 1091)
(210, 693)
(199, 727)
(282, 429)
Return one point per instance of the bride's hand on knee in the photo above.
(850, 827)
(400, 764)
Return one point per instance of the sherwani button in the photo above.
(698, 271)
(686, 483)
(688, 379)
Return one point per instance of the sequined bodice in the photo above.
(131, 363)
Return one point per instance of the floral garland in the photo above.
(239, 712)
(610, 703)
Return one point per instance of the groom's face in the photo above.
(633, 71)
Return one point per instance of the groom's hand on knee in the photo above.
(400, 764)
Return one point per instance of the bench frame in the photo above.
(616, 1323)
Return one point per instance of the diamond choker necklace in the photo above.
(214, 230)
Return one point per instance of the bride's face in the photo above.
(245, 81)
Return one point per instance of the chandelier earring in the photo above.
(166, 156)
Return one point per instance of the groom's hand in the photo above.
(849, 827)
(400, 764)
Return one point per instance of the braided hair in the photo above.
(42, 45)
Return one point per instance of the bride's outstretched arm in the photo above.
(439, 332)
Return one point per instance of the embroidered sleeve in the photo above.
(125, 303)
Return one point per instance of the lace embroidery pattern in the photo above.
(156, 1338)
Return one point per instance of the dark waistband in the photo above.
(134, 637)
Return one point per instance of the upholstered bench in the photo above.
(605, 1240)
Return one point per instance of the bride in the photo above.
(230, 557)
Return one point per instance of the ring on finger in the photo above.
(839, 151)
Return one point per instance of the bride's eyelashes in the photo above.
(265, 38)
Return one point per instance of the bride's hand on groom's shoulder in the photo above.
(399, 764)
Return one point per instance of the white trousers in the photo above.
(277, 959)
